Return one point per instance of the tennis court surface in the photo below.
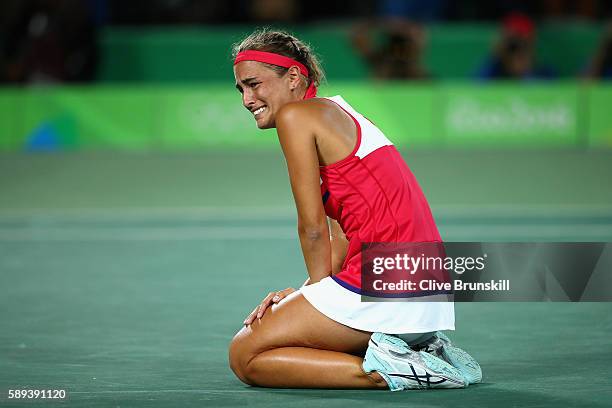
(124, 277)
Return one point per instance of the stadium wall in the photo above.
(450, 115)
(453, 51)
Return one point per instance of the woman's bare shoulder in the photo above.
(314, 111)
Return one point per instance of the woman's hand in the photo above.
(273, 297)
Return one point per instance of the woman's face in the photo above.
(263, 91)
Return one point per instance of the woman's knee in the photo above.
(240, 354)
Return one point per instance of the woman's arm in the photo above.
(295, 124)
(339, 245)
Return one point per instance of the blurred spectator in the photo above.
(274, 10)
(399, 54)
(601, 64)
(513, 56)
(50, 41)
(418, 10)
(570, 9)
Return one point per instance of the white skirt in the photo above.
(346, 307)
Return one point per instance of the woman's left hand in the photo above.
(273, 297)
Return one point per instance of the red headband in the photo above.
(281, 61)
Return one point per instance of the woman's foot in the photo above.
(405, 369)
(439, 345)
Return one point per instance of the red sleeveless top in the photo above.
(374, 197)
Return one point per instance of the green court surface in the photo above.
(124, 277)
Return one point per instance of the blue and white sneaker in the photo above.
(440, 346)
(405, 369)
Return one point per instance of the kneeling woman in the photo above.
(340, 166)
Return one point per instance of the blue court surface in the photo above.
(124, 277)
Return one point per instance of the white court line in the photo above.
(147, 234)
(196, 233)
(542, 210)
(136, 213)
(284, 212)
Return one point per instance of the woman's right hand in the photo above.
(273, 297)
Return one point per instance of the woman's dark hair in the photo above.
(283, 43)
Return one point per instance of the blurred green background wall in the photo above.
(172, 89)
(454, 51)
(175, 117)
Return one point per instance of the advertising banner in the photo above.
(212, 116)
(510, 115)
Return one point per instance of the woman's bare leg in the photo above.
(295, 346)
